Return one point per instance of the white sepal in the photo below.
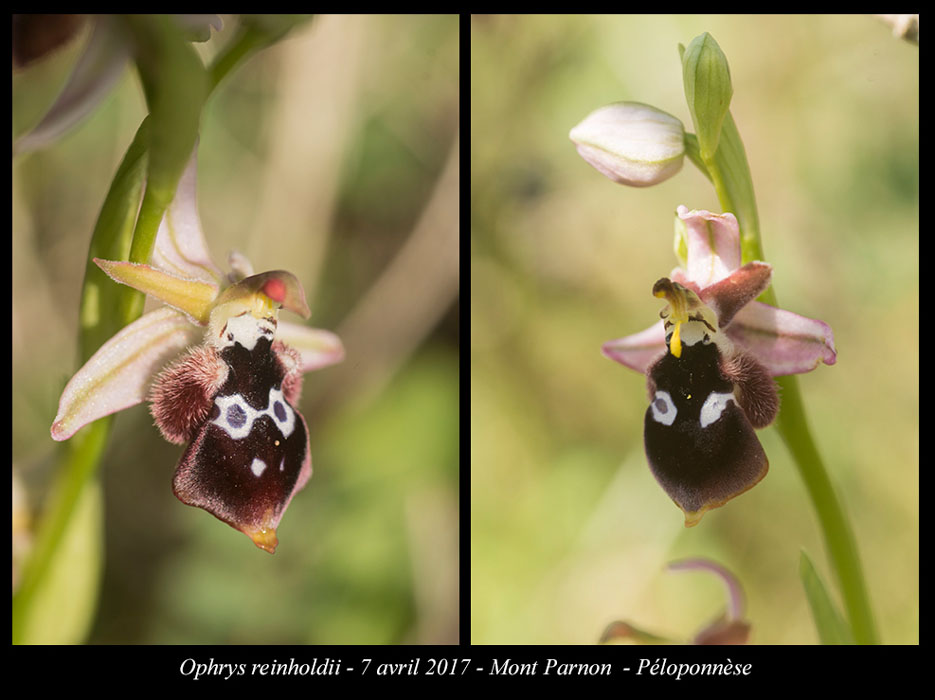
(318, 348)
(118, 375)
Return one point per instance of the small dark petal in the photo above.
(290, 362)
(735, 291)
(754, 388)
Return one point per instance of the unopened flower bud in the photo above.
(631, 143)
(708, 90)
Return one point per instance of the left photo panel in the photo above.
(236, 329)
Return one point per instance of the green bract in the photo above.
(707, 89)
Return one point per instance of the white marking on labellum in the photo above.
(664, 410)
(257, 466)
(246, 330)
(236, 416)
(281, 412)
(713, 406)
(693, 332)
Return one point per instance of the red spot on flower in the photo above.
(275, 289)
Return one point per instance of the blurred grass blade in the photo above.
(272, 28)
(831, 626)
(97, 71)
(66, 558)
(79, 457)
(254, 33)
(64, 602)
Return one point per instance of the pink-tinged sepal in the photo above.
(181, 248)
(711, 244)
(638, 351)
(785, 342)
(118, 375)
(317, 348)
(728, 628)
(731, 627)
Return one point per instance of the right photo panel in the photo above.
(694, 329)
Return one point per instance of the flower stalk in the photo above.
(728, 170)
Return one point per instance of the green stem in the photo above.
(730, 173)
(152, 210)
(792, 425)
(235, 51)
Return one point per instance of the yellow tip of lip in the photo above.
(264, 538)
(694, 517)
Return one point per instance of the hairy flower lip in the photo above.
(784, 342)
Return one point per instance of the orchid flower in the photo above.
(720, 388)
(728, 628)
(232, 397)
(708, 245)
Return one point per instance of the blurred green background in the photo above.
(569, 530)
(333, 154)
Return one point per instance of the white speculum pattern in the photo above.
(236, 416)
(663, 408)
(693, 332)
(246, 329)
(713, 406)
